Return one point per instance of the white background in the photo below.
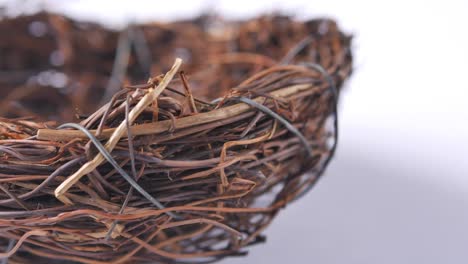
(397, 191)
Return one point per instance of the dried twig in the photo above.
(117, 133)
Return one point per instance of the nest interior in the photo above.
(163, 160)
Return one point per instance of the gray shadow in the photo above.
(369, 211)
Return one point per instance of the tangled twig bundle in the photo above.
(185, 168)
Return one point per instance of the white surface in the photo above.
(397, 191)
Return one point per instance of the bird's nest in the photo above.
(186, 167)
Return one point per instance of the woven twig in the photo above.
(190, 166)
